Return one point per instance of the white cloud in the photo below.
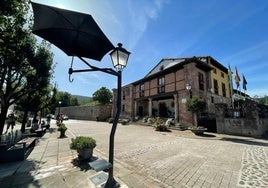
(140, 14)
(249, 54)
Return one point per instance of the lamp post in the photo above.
(119, 57)
(188, 88)
(59, 106)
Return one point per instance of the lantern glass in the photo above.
(119, 57)
(188, 87)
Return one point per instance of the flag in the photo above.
(237, 78)
(244, 83)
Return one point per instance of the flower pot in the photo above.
(62, 133)
(85, 153)
(198, 130)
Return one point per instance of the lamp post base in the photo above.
(113, 184)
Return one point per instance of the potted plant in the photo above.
(159, 125)
(62, 128)
(124, 121)
(196, 105)
(84, 146)
(199, 130)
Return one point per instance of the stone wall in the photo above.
(250, 125)
(102, 112)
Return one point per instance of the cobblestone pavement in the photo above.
(254, 168)
(181, 159)
(144, 158)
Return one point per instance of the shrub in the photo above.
(82, 142)
(62, 127)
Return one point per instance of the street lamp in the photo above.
(188, 88)
(59, 106)
(77, 34)
(119, 57)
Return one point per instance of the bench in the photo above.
(38, 132)
(14, 147)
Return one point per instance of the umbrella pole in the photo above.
(111, 181)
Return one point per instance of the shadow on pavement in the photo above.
(22, 177)
(52, 130)
(83, 164)
(243, 141)
(206, 135)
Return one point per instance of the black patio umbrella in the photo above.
(77, 34)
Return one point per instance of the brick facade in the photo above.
(162, 92)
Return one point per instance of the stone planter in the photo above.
(62, 133)
(84, 146)
(85, 154)
(198, 130)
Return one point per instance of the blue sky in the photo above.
(232, 32)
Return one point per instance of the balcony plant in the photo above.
(84, 146)
(62, 128)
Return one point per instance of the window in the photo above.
(214, 71)
(123, 108)
(222, 74)
(223, 89)
(212, 99)
(201, 81)
(142, 90)
(215, 82)
(161, 85)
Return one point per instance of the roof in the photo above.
(165, 64)
(169, 64)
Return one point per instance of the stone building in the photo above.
(162, 92)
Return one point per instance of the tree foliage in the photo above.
(103, 95)
(264, 100)
(66, 99)
(25, 66)
(195, 104)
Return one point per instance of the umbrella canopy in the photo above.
(77, 34)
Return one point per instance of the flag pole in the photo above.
(230, 74)
(237, 81)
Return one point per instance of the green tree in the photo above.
(73, 101)
(103, 96)
(20, 57)
(196, 105)
(38, 97)
(53, 101)
(17, 47)
(264, 100)
(66, 99)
